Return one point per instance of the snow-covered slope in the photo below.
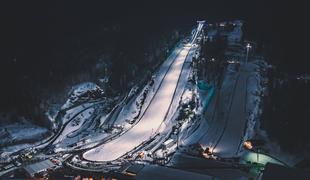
(148, 124)
(231, 117)
(20, 135)
(77, 92)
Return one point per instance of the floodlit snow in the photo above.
(153, 117)
(200, 25)
(181, 84)
(130, 110)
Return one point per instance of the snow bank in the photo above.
(75, 124)
(17, 136)
(14, 133)
(255, 90)
(78, 92)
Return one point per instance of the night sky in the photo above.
(30, 30)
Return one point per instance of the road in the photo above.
(150, 121)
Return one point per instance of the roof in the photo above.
(135, 168)
(154, 172)
(39, 167)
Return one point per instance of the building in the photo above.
(150, 172)
(39, 167)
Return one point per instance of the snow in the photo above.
(181, 84)
(82, 88)
(255, 88)
(153, 117)
(208, 119)
(79, 90)
(75, 124)
(187, 96)
(18, 132)
(234, 118)
(104, 118)
(200, 25)
(74, 111)
(51, 114)
(131, 109)
(231, 121)
(17, 136)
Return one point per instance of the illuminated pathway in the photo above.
(150, 121)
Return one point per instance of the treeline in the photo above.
(211, 61)
(47, 62)
(286, 111)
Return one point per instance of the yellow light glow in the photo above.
(248, 145)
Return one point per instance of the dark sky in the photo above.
(28, 26)
(278, 21)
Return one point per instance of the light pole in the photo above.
(257, 155)
(248, 47)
